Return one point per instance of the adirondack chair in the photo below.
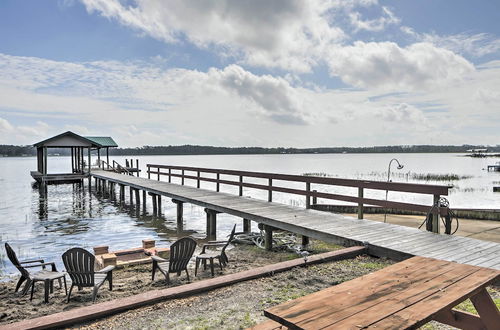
(180, 253)
(79, 265)
(211, 255)
(47, 276)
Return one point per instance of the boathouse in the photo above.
(81, 148)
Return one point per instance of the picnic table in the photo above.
(404, 295)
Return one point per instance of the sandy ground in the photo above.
(240, 306)
(129, 281)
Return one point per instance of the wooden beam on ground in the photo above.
(92, 312)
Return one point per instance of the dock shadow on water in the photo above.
(60, 217)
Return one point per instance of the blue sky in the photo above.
(251, 73)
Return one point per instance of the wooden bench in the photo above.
(405, 295)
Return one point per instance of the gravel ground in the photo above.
(129, 281)
(234, 307)
(240, 306)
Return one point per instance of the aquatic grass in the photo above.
(439, 177)
(382, 175)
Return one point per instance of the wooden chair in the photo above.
(47, 276)
(220, 255)
(180, 254)
(80, 264)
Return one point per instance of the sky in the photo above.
(268, 73)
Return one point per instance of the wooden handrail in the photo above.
(434, 190)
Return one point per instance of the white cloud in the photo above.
(475, 45)
(376, 24)
(276, 98)
(139, 104)
(22, 134)
(386, 66)
(285, 33)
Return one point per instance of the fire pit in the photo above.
(127, 257)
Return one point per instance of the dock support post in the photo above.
(305, 240)
(360, 204)
(104, 187)
(122, 193)
(137, 198)
(159, 204)
(180, 213)
(211, 224)
(153, 199)
(268, 239)
(131, 197)
(247, 225)
(435, 216)
(144, 201)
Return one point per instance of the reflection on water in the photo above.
(68, 215)
(44, 223)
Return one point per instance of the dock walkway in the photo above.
(381, 239)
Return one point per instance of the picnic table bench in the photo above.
(405, 295)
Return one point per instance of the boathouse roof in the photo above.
(70, 139)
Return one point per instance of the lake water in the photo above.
(72, 215)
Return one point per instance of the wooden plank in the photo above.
(424, 311)
(351, 295)
(364, 315)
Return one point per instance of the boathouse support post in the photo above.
(44, 160)
(268, 238)
(89, 159)
(72, 160)
(360, 203)
(247, 225)
(435, 216)
(107, 157)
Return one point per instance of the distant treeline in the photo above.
(11, 151)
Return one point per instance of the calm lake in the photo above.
(74, 216)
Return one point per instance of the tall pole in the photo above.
(389, 180)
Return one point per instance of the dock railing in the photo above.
(196, 174)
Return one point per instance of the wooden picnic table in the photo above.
(405, 295)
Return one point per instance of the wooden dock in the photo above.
(381, 239)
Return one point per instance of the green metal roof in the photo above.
(103, 141)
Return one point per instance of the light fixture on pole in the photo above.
(400, 166)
